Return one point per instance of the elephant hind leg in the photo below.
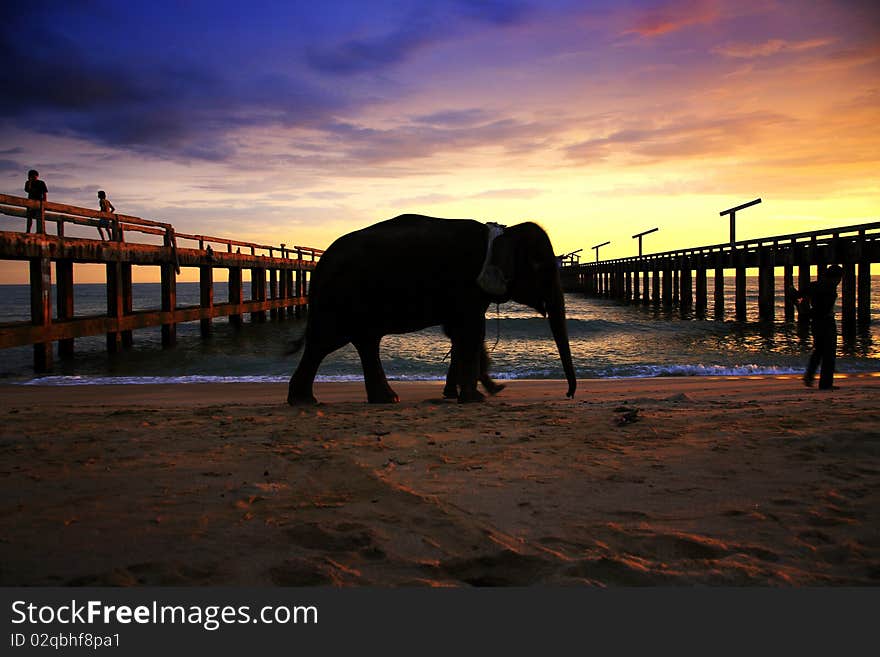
(299, 391)
(378, 390)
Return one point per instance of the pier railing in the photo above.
(285, 295)
(668, 277)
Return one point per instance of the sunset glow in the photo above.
(298, 122)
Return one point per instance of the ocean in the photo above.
(608, 340)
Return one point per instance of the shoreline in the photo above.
(408, 390)
(748, 480)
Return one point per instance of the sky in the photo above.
(297, 122)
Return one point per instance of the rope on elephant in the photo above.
(497, 332)
(497, 326)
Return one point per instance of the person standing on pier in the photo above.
(821, 295)
(106, 206)
(37, 191)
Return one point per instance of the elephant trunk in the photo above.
(556, 317)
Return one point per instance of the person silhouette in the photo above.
(106, 206)
(37, 191)
(821, 295)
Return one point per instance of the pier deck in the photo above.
(680, 277)
(285, 294)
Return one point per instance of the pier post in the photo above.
(848, 301)
(646, 286)
(235, 294)
(41, 218)
(64, 301)
(291, 292)
(766, 290)
(863, 317)
(675, 283)
(628, 285)
(41, 308)
(283, 293)
(740, 292)
(702, 302)
(686, 279)
(667, 286)
(307, 286)
(273, 291)
(655, 286)
(864, 285)
(787, 284)
(114, 305)
(206, 298)
(803, 317)
(258, 292)
(719, 293)
(127, 303)
(169, 303)
(298, 285)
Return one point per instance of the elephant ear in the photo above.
(493, 277)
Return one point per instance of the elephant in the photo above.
(450, 389)
(411, 272)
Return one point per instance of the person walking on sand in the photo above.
(106, 206)
(37, 191)
(821, 295)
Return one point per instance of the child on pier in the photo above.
(821, 295)
(106, 206)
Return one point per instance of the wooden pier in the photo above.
(680, 278)
(285, 294)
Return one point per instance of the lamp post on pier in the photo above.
(732, 212)
(640, 235)
(599, 246)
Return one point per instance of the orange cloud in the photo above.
(673, 16)
(770, 47)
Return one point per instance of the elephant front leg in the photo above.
(491, 386)
(450, 390)
(378, 390)
(468, 370)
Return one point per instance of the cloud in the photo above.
(7, 166)
(520, 193)
(855, 56)
(686, 137)
(454, 118)
(425, 26)
(437, 198)
(672, 16)
(178, 108)
(412, 141)
(768, 48)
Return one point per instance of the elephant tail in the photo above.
(295, 345)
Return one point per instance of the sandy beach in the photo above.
(681, 481)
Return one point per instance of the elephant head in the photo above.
(527, 265)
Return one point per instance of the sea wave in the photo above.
(653, 371)
(620, 372)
